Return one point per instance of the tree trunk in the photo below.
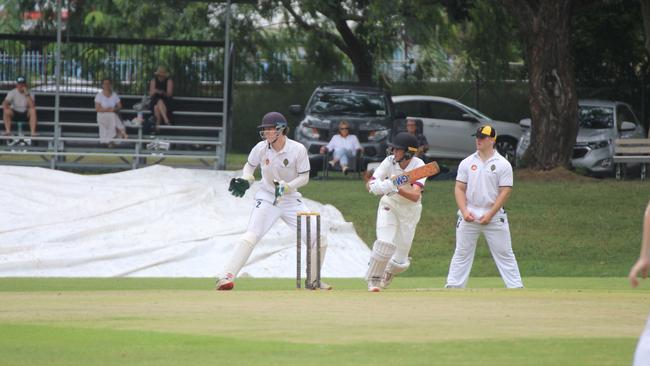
(362, 66)
(645, 13)
(545, 26)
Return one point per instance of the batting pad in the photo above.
(381, 253)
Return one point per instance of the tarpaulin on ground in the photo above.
(152, 222)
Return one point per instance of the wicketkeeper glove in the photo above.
(382, 187)
(281, 188)
(238, 186)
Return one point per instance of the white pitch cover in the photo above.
(152, 222)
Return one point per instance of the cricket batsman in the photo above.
(398, 213)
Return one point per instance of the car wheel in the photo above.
(507, 147)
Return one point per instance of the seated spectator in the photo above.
(107, 105)
(423, 144)
(161, 89)
(343, 146)
(19, 105)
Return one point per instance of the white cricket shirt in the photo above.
(483, 180)
(284, 165)
(389, 168)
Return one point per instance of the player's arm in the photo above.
(411, 192)
(504, 194)
(461, 200)
(643, 263)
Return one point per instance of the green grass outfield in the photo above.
(554, 321)
(586, 227)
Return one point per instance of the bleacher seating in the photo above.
(195, 138)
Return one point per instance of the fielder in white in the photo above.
(398, 213)
(285, 168)
(642, 354)
(483, 185)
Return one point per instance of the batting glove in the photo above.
(382, 187)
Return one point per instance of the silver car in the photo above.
(448, 126)
(601, 122)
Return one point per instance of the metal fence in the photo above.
(196, 66)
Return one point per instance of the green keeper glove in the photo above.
(238, 186)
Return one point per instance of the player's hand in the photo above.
(467, 216)
(238, 186)
(382, 187)
(640, 268)
(281, 188)
(485, 219)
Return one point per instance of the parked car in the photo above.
(601, 122)
(368, 110)
(448, 126)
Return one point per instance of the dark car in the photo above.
(368, 110)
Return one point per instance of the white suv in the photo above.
(601, 122)
(448, 126)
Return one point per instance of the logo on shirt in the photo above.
(286, 162)
(474, 167)
(267, 162)
(493, 167)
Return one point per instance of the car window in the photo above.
(411, 108)
(595, 117)
(623, 113)
(444, 111)
(346, 102)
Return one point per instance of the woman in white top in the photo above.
(344, 147)
(107, 104)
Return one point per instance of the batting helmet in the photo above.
(407, 142)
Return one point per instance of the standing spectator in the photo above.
(107, 105)
(161, 90)
(397, 215)
(19, 104)
(642, 354)
(423, 144)
(344, 147)
(285, 168)
(483, 185)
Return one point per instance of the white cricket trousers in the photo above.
(497, 234)
(397, 219)
(642, 353)
(262, 218)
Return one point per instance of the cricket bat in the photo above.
(426, 170)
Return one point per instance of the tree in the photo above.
(366, 31)
(545, 27)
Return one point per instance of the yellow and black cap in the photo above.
(486, 131)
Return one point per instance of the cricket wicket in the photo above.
(308, 263)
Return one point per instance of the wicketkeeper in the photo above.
(285, 168)
(398, 213)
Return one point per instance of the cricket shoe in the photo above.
(374, 286)
(314, 286)
(226, 283)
